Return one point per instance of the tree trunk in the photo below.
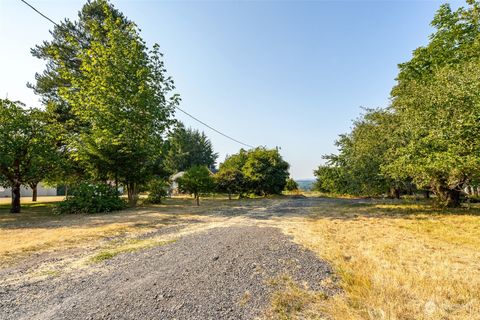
(448, 197)
(197, 198)
(395, 193)
(33, 186)
(469, 190)
(229, 195)
(453, 198)
(15, 198)
(426, 194)
(132, 194)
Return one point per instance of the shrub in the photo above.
(291, 185)
(158, 190)
(91, 198)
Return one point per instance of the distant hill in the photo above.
(305, 184)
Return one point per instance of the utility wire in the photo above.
(37, 11)
(212, 128)
(177, 107)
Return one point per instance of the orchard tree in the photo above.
(46, 161)
(364, 151)
(437, 104)
(235, 161)
(196, 181)
(357, 169)
(441, 117)
(330, 179)
(26, 151)
(102, 80)
(187, 148)
(266, 171)
(291, 185)
(230, 180)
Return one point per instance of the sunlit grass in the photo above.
(396, 261)
(393, 259)
(128, 246)
(37, 229)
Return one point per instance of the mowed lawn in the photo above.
(393, 260)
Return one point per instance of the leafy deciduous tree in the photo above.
(291, 185)
(101, 80)
(26, 151)
(196, 181)
(230, 180)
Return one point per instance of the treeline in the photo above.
(428, 138)
(109, 121)
(258, 171)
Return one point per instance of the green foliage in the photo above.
(331, 180)
(429, 134)
(437, 104)
(26, 148)
(265, 172)
(91, 198)
(188, 148)
(196, 181)
(230, 180)
(157, 191)
(291, 185)
(356, 169)
(111, 91)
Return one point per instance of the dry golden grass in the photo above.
(28, 200)
(37, 229)
(394, 260)
(404, 261)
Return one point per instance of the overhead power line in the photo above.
(177, 107)
(212, 128)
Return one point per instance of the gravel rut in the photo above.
(219, 273)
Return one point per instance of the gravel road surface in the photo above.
(219, 273)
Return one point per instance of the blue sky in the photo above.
(287, 74)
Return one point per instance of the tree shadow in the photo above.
(173, 210)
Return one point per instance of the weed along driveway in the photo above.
(214, 263)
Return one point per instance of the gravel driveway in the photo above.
(220, 273)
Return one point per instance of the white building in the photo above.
(42, 191)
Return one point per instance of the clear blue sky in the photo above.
(288, 74)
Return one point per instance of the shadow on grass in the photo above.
(40, 215)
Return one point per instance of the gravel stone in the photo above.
(205, 275)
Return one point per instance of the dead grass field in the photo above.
(394, 260)
(38, 230)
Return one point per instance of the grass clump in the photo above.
(129, 246)
(293, 301)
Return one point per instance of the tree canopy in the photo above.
(428, 135)
(110, 93)
(264, 171)
(27, 153)
(197, 180)
(187, 148)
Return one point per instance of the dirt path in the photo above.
(216, 273)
